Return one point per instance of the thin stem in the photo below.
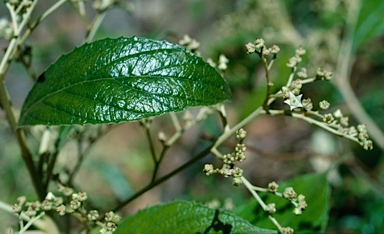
(223, 117)
(40, 19)
(25, 153)
(251, 189)
(51, 164)
(315, 122)
(156, 161)
(153, 184)
(151, 144)
(82, 155)
(249, 186)
(290, 79)
(31, 222)
(277, 224)
(26, 17)
(269, 83)
(180, 130)
(241, 124)
(344, 67)
(175, 121)
(79, 7)
(92, 29)
(6, 59)
(157, 165)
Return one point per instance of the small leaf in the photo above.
(124, 79)
(314, 218)
(186, 217)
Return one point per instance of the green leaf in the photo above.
(124, 79)
(314, 219)
(370, 23)
(186, 217)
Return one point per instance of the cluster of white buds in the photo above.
(228, 169)
(273, 187)
(36, 208)
(17, 3)
(323, 74)
(6, 31)
(111, 220)
(271, 208)
(102, 5)
(297, 200)
(302, 73)
(73, 204)
(364, 137)
(340, 122)
(291, 93)
(300, 205)
(259, 47)
(191, 44)
(297, 58)
(223, 63)
(286, 230)
(307, 104)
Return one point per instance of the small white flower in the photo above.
(50, 197)
(294, 101)
(259, 43)
(223, 62)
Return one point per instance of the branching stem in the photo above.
(153, 184)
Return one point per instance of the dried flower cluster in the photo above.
(71, 203)
(228, 169)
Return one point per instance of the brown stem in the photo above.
(153, 184)
(25, 153)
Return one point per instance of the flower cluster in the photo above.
(323, 74)
(228, 169)
(71, 203)
(295, 60)
(340, 123)
(6, 30)
(334, 122)
(223, 61)
(102, 5)
(289, 193)
(18, 3)
(297, 200)
(259, 47)
(191, 44)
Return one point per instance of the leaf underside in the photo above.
(121, 80)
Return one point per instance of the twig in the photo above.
(251, 189)
(153, 184)
(344, 67)
(94, 26)
(31, 222)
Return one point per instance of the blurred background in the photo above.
(279, 148)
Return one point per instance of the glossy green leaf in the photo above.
(186, 217)
(124, 79)
(370, 22)
(314, 219)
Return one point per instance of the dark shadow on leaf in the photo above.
(41, 78)
(217, 225)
